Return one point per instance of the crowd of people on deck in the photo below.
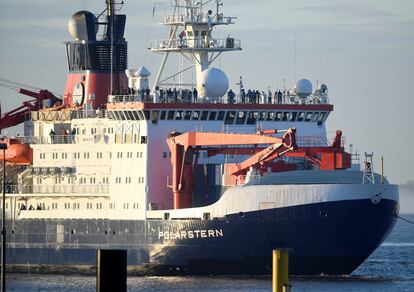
(180, 95)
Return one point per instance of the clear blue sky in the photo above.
(363, 51)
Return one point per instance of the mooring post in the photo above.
(111, 270)
(3, 223)
(280, 270)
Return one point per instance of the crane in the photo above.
(185, 148)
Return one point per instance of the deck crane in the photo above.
(185, 148)
(17, 115)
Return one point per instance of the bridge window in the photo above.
(135, 114)
(170, 115)
(308, 117)
(278, 116)
(154, 117)
(122, 115)
(163, 114)
(270, 116)
(117, 117)
(147, 115)
(187, 115)
(179, 115)
(241, 117)
(321, 118)
(212, 116)
(204, 115)
(251, 118)
(262, 116)
(301, 116)
(196, 115)
(315, 117)
(220, 116)
(140, 115)
(128, 115)
(230, 117)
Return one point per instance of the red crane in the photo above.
(184, 147)
(17, 115)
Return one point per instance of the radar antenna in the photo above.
(191, 35)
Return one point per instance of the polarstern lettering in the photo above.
(190, 234)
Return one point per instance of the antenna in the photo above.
(295, 59)
(111, 14)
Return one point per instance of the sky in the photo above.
(363, 51)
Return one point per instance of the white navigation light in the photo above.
(303, 88)
(215, 83)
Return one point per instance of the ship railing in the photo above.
(10, 189)
(124, 98)
(68, 114)
(196, 43)
(51, 139)
(197, 18)
(58, 189)
(312, 141)
(89, 114)
(186, 96)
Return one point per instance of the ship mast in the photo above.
(110, 13)
(191, 35)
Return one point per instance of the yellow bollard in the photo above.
(280, 271)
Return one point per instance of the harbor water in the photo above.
(389, 268)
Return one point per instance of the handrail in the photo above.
(196, 43)
(57, 189)
(186, 96)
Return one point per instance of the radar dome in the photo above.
(215, 83)
(83, 25)
(303, 88)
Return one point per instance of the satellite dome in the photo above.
(83, 25)
(143, 72)
(215, 82)
(303, 88)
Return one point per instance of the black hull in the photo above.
(326, 238)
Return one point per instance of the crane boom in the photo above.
(184, 146)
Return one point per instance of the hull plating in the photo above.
(325, 238)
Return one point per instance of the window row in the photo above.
(93, 131)
(87, 155)
(71, 206)
(229, 117)
(128, 180)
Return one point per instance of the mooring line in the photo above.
(406, 220)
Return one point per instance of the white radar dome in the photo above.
(215, 82)
(82, 25)
(303, 88)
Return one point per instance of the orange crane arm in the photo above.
(192, 139)
(183, 147)
(268, 154)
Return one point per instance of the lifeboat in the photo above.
(17, 153)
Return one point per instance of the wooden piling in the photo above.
(111, 270)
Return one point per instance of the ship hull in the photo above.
(331, 238)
